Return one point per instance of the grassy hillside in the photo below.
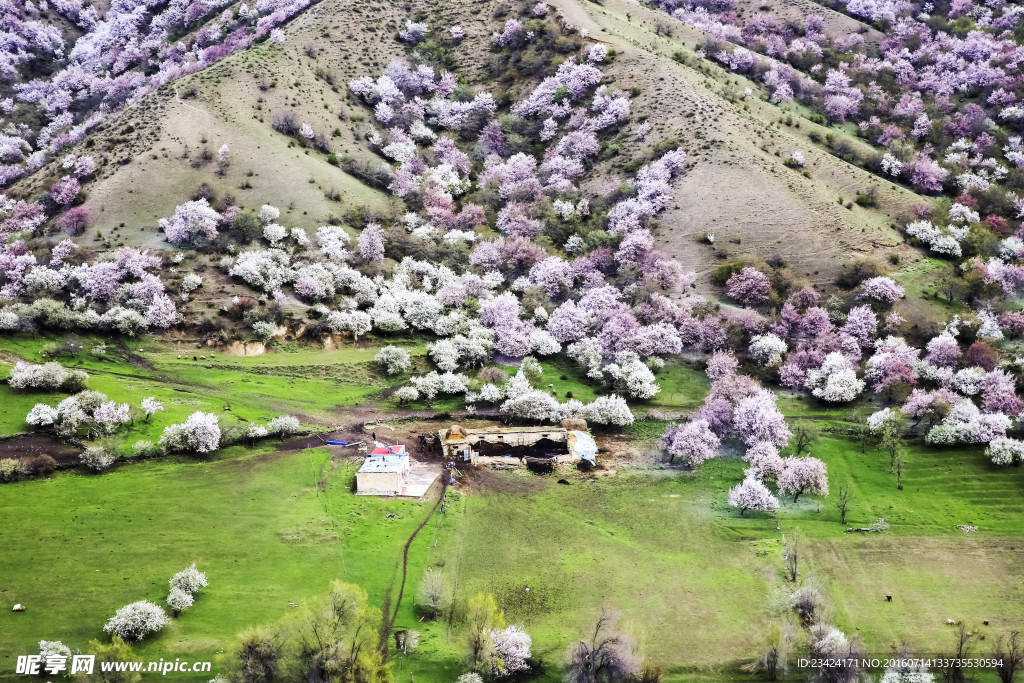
(737, 143)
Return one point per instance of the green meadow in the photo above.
(695, 582)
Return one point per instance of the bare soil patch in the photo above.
(33, 445)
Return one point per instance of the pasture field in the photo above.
(696, 582)
(307, 381)
(238, 390)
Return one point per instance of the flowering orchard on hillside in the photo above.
(498, 252)
(939, 96)
(905, 97)
(101, 57)
(119, 294)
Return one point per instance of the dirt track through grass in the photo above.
(408, 543)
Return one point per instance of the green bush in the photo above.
(866, 200)
(9, 469)
(721, 274)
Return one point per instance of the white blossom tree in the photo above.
(445, 354)
(179, 600)
(97, 459)
(751, 494)
(151, 406)
(283, 425)
(193, 223)
(42, 415)
(767, 349)
(407, 394)
(393, 360)
(1005, 451)
(189, 579)
(509, 651)
(835, 381)
(46, 377)
(533, 405)
(609, 410)
(200, 433)
(135, 621)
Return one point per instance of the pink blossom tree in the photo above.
(758, 418)
(998, 394)
(862, 325)
(803, 475)
(893, 364)
(721, 364)
(943, 351)
(75, 220)
(694, 442)
(64, 191)
(751, 494)
(749, 286)
(881, 289)
(765, 461)
(569, 322)
(371, 243)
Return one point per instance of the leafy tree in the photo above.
(97, 459)
(774, 659)
(259, 655)
(482, 616)
(115, 651)
(955, 671)
(1009, 653)
(842, 501)
(889, 434)
(791, 556)
(10, 468)
(804, 436)
(334, 638)
(246, 226)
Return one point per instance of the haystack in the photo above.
(574, 424)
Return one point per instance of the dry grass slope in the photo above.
(738, 188)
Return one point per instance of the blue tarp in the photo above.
(584, 446)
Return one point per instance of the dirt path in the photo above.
(405, 551)
(391, 618)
